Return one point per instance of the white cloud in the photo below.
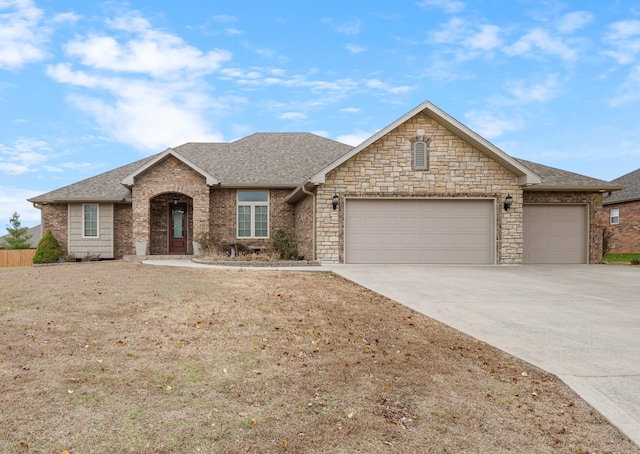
(486, 38)
(15, 199)
(355, 138)
(537, 92)
(472, 38)
(223, 18)
(143, 87)
(66, 18)
(352, 27)
(448, 6)
(630, 89)
(149, 52)
(350, 110)
(489, 126)
(292, 116)
(22, 37)
(574, 21)
(355, 49)
(23, 156)
(541, 40)
(624, 38)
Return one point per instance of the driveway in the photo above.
(579, 322)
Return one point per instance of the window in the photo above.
(90, 221)
(420, 158)
(253, 214)
(614, 216)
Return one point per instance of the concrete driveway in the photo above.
(581, 323)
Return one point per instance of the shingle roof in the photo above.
(261, 159)
(560, 180)
(631, 192)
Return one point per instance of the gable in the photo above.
(456, 129)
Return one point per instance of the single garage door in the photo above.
(419, 231)
(555, 234)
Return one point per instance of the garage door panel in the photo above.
(555, 234)
(419, 231)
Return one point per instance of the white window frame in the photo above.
(424, 161)
(614, 216)
(84, 220)
(253, 206)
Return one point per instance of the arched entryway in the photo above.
(171, 224)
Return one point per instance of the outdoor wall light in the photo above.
(507, 202)
(336, 201)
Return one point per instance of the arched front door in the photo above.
(178, 228)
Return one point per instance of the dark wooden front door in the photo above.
(178, 228)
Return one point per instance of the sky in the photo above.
(86, 87)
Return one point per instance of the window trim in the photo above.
(421, 141)
(84, 220)
(614, 219)
(252, 206)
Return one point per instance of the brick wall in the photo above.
(626, 234)
(304, 228)
(385, 169)
(593, 200)
(169, 176)
(122, 230)
(55, 218)
(222, 220)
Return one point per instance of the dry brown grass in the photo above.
(118, 357)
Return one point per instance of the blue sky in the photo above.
(88, 86)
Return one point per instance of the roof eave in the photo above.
(573, 188)
(81, 199)
(623, 200)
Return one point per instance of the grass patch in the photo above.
(120, 357)
(621, 258)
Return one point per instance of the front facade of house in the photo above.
(425, 189)
(622, 211)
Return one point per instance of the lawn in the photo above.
(115, 357)
(621, 258)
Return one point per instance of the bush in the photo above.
(48, 250)
(282, 245)
(635, 261)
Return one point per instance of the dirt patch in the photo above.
(121, 357)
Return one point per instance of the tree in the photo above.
(17, 238)
(48, 250)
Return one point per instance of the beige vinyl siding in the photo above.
(101, 245)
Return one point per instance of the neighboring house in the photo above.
(36, 235)
(623, 211)
(425, 189)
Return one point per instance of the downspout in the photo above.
(313, 239)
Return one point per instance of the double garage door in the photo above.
(419, 231)
(457, 232)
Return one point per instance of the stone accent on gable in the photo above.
(385, 169)
(594, 203)
(625, 235)
(169, 176)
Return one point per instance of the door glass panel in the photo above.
(177, 222)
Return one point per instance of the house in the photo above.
(623, 210)
(425, 189)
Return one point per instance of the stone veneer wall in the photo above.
(122, 230)
(55, 218)
(169, 176)
(384, 169)
(593, 200)
(626, 234)
(304, 228)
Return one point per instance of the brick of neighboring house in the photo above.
(625, 236)
(593, 200)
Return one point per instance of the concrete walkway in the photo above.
(581, 323)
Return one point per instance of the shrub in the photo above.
(209, 245)
(635, 261)
(48, 250)
(282, 245)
